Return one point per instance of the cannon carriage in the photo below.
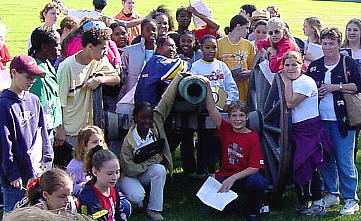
(269, 116)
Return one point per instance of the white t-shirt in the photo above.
(356, 54)
(327, 109)
(80, 14)
(315, 50)
(219, 75)
(308, 108)
(150, 138)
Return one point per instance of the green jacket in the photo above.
(47, 89)
(161, 112)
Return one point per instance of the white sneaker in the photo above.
(330, 200)
(351, 206)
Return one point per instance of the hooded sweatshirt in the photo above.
(24, 141)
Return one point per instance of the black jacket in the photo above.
(317, 70)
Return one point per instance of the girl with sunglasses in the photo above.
(277, 45)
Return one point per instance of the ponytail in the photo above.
(50, 181)
(95, 159)
(33, 191)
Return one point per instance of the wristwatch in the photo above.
(340, 86)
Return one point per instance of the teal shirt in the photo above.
(47, 89)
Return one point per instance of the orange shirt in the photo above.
(134, 31)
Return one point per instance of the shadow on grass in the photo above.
(182, 204)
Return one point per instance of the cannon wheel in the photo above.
(268, 99)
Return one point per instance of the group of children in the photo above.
(94, 53)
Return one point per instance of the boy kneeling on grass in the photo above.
(241, 154)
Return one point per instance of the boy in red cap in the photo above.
(24, 144)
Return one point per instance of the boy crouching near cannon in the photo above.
(241, 154)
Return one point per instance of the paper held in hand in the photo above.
(202, 8)
(209, 195)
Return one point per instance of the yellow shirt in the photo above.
(76, 101)
(237, 53)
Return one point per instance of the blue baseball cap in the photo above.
(99, 24)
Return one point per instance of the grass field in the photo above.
(22, 16)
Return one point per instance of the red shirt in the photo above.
(239, 150)
(108, 202)
(202, 31)
(284, 46)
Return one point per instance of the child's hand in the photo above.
(92, 83)
(226, 185)
(284, 78)
(192, 10)
(18, 183)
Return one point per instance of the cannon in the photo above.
(269, 116)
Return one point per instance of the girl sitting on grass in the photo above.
(52, 191)
(100, 198)
(88, 138)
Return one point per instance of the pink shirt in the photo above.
(74, 45)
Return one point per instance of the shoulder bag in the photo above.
(353, 103)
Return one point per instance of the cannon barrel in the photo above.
(192, 89)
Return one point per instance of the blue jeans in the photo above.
(11, 196)
(254, 185)
(341, 168)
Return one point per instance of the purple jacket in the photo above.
(20, 122)
(313, 147)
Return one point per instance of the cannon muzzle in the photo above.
(192, 89)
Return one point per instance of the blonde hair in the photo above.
(293, 54)
(281, 24)
(315, 24)
(83, 137)
(36, 214)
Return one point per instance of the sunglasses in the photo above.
(276, 32)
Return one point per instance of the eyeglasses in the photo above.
(276, 32)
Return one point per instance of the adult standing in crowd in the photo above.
(238, 53)
(49, 15)
(128, 14)
(328, 73)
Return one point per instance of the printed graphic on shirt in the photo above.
(25, 117)
(238, 57)
(216, 75)
(234, 153)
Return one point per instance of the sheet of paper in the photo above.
(202, 8)
(209, 195)
(264, 65)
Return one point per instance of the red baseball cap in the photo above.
(27, 64)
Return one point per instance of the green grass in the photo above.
(22, 16)
(180, 203)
